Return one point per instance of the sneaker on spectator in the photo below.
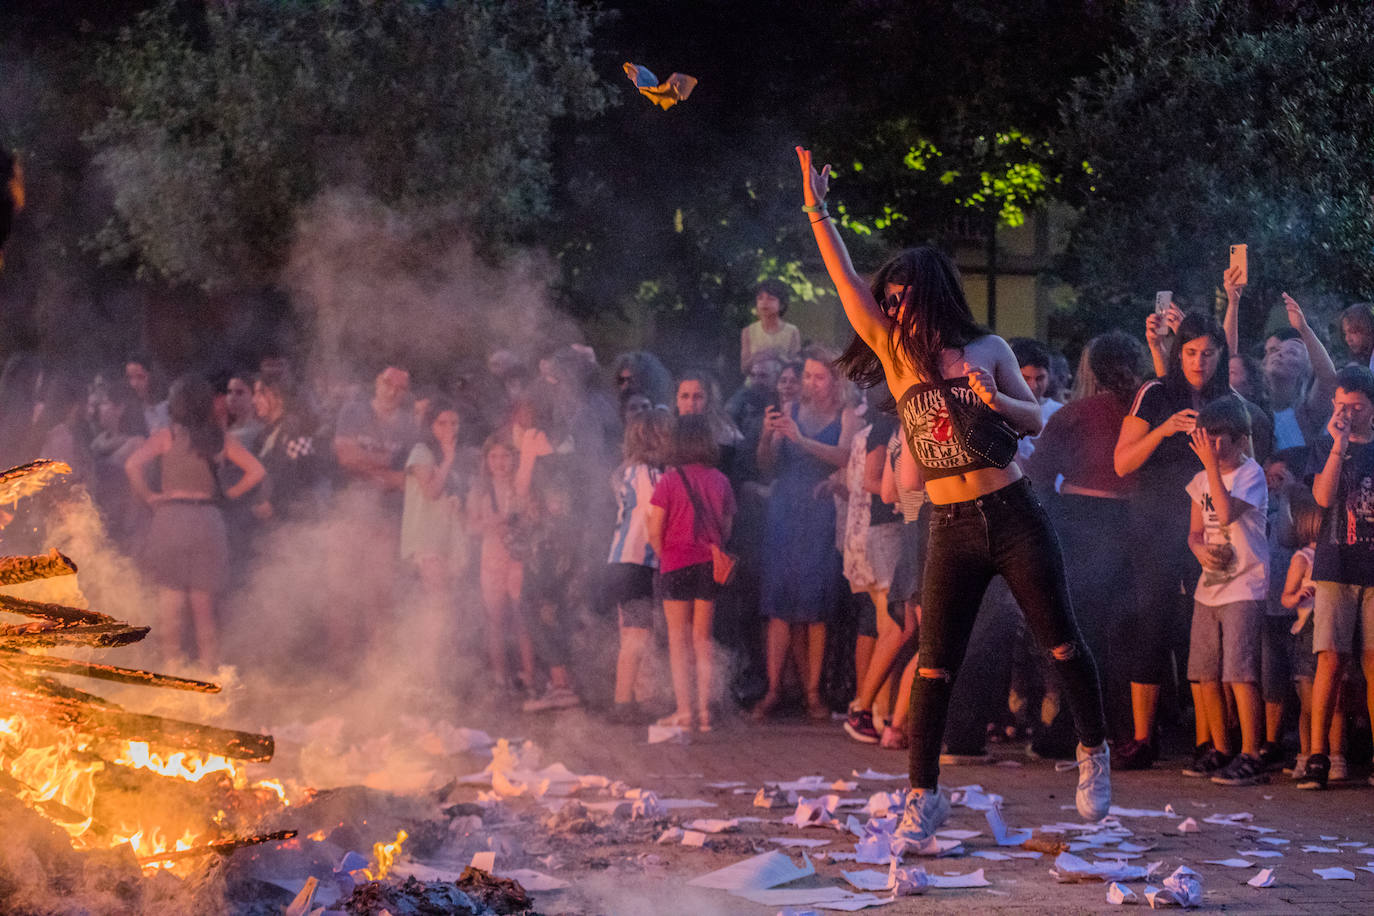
(893, 739)
(1209, 764)
(1299, 765)
(1243, 770)
(1271, 755)
(1094, 794)
(1339, 770)
(859, 726)
(1315, 773)
(1135, 755)
(922, 815)
(553, 698)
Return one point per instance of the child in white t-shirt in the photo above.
(1230, 502)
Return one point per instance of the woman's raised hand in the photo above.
(815, 185)
(1296, 318)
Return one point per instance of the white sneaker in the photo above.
(1094, 795)
(922, 815)
(1339, 770)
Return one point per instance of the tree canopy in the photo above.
(1216, 125)
(224, 125)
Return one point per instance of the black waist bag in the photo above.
(982, 432)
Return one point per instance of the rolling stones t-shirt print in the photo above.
(930, 433)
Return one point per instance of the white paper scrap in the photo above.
(693, 838)
(972, 879)
(906, 882)
(712, 825)
(1334, 874)
(1025, 854)
(670, 804)
(1259, 853)
(868, 879)
(797, 841)
(1310, 848)
(1263, 878)
(1185, 885)
(756, 873)
(958, 834)
(873, 774)
(856, 902)
(801, 896)
(725, 785)
(1069, 868)
(671, 835)
(991, 855)
(1004, 835)
(1274, 841)
(486, 861)
(1118, 811)
(874, 850)
(1118, 894)
(1188, 825)
(1231, 863)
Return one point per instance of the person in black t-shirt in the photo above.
(1343, 567)
(1154, 446)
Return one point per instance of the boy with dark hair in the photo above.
(1230, 503)
(1343, 565)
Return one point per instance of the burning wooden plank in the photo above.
(109, 722)
(223, 847)
(42, 635)
(27, 479)
(136, 676)
(58, 613)
(17, 570)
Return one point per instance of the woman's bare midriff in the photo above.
(959, 488)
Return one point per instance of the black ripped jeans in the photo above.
(1007, 533)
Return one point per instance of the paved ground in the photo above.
(1034, 794)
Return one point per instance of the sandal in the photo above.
(676, 720)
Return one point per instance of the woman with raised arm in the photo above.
(962, 403)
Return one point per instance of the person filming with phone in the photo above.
(1155, 446)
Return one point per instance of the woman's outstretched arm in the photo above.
(863, 312)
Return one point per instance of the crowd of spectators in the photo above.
(773, 541)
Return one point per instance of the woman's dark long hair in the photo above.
(191, 405)
(438, 405)
(936, 317)
(1193, 326)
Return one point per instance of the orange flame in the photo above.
(384, 854)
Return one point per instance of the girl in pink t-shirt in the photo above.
(692, 508)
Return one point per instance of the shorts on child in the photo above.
(1336, 611)
(690, 583)
(627, 582)
(1225, 642)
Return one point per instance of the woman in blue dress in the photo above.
(801, 579)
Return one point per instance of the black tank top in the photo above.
(924, 412)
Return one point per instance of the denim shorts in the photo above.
(1226, 642)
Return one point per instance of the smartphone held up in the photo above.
(1239, 261)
